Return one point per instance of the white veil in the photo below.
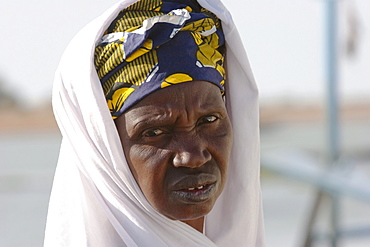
(95, 200)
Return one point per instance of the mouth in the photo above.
(195, 188)
(202, 187)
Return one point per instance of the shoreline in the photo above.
(22, 120)
(42, 119)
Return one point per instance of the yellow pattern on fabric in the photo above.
(134, 73)
(118, 98)
(212, 16)
(133, 20)
(207, 54)
(109, 57)
(123, 74)
(176, 79)
(146, 47)
(145, 5)
(199, 26)
(189, 9)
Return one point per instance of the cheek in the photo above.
(148, 165)
(141, 153)
(221, 145)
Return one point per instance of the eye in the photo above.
(153, 132)
(209, 119)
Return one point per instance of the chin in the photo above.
(189, 211)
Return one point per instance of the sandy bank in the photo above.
(42, 119)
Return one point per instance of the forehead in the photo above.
(192, 96)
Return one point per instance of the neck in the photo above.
(197, 224)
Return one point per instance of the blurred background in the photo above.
(311, 61)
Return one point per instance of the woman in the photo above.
(113, 185)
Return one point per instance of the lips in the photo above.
(192, 189)
(197, 188)
(193, 181)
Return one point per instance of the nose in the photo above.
(191, 152)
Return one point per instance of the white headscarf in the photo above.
(95, 200)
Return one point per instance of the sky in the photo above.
(284, 39)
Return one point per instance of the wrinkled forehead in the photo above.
(194, 98)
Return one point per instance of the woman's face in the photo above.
(177, 142)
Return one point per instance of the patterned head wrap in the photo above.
(153, 44)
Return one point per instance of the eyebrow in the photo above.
(163, 118)
(151, 120)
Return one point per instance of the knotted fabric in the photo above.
(155, 44)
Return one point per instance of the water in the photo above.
(28, 160)
(27, 166)
(288, 202)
